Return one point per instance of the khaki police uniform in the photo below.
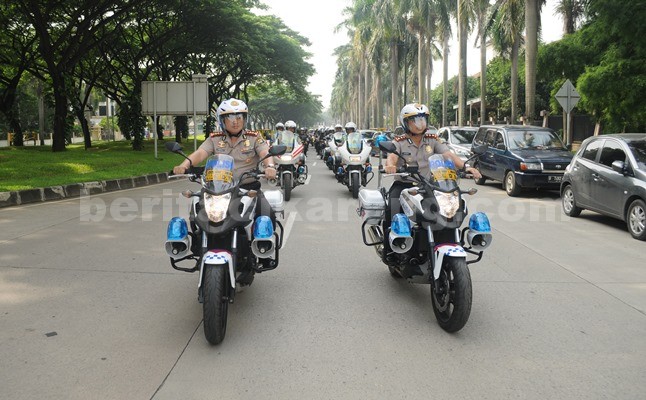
(418, 155)
(245, 152)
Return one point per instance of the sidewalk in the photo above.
(15, 198)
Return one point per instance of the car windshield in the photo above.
(638, 147)
(534, 140)
(218, 173)
(462, 136)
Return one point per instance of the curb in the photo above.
(16, 198)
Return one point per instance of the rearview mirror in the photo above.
(277, 150)
(173, 147)
(387, 146)
(479, 149)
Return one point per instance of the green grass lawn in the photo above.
(37, 166)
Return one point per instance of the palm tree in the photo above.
(506, 26)
(482, 11)
(464, 16)
(571, 11)
(532, 25)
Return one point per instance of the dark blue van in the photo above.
(521, 156)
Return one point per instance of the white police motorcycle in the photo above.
(355, 169)
(228, 241)
(426, 243)
(291, 169)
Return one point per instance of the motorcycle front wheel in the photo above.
(216, 303)
(452, 302)
(287, 186)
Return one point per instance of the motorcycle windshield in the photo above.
(355, 143)
(339, 138)
(218, 173)
(443, 173)
(287, 139)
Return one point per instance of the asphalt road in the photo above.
(91, 309)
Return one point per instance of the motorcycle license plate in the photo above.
(554, 178)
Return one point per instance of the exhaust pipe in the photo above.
(264, 241)
(400, 234)
(178, 242)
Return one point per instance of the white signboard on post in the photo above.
(176, 98)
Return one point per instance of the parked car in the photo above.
(608, 175)
(521, 156)
(459, 139)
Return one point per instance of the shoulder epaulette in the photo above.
(251, 133)
(431, 135)
(400, 138)
(216, 134)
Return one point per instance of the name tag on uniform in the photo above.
(406, 154)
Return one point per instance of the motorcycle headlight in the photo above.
(286, 158)
(355, 158)
(448, 203)
(216, 206)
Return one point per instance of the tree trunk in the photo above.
(514, 81)
(80, 115)
(462, 75)
(420, 68)
(445, 79)
(483, 77)
(394, 82)
(531, 49)
(60, 119)
(366, 95)
(379, 113)
(18, 138)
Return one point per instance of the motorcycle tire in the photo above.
(287, 187)
(354, 186)
(216, 303)
(452, 305)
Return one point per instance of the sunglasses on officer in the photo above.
(234, 117)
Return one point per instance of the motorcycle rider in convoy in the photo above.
(350, 127)
(246, 148)
(280, 127)
(416, 147)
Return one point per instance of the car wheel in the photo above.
(480, 181)
(569, 205)
(636, 219)
(511, 187)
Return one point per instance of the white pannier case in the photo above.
(371, 206)
(275, 199)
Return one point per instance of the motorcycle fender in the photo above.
(446, 250)
(218, 257)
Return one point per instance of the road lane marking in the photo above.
(309, 178)
(288, 226)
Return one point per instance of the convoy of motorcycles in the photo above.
(228, 241)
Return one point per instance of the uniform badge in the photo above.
(260, 140)
(246, 142)
(221, 144)
(429, 149)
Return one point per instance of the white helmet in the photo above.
(290, 124)
(231, 106)
(280, 125)
(350, 125)
(413, 110)
(338, 126)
